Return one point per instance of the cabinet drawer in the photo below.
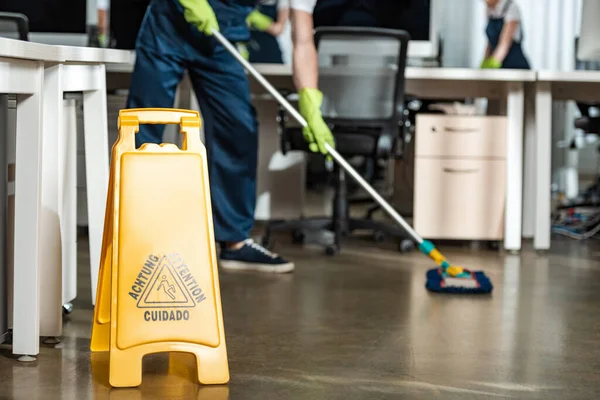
(460, 136)
(459, 199)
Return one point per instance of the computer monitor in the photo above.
(62, 22)
(588, 48)
(417, 17)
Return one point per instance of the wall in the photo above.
(549, 29)
(92, 14)
(458, 35)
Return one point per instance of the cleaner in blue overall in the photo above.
(505, 36)
(175, 36)
(266, 23)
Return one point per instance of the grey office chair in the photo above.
(361, 75)
(10, 21)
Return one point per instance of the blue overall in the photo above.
(515, 59)
(264, 47)
(167, 46)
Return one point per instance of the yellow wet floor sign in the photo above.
(158, 287)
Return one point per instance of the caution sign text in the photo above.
(166, 283)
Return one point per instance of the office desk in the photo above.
(280, 186)
(551, 85)
(37, 308)
(22, 73)
(435, 83)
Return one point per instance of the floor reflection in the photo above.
(362, 326)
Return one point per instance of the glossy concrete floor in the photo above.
(362, 326)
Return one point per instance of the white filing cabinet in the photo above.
(460, 177)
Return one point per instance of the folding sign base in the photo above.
(158, 287)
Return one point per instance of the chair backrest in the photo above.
(14, 26)
(361, 74)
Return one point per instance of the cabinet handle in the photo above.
(457, 130)
(460, 171)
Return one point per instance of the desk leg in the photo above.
(543, 184)
(530, 178)
(26, 292)
(50, 233)
(514, 167)
(4, 132)
(97, 164)
(68, 199)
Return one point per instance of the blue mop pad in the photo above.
(448, 278)
(467, 283)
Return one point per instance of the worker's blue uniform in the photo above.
(515, 59)
(264, 47)
(167, 45)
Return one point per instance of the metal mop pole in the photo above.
(334, 154)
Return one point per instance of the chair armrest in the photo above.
(22, 23)
(282, 118)
(404, 126)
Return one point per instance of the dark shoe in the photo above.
(254, 257)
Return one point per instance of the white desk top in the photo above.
(412, 73)
(415, 73)
(569, 76)
(96, 55)
(471, 74)
(11, 48)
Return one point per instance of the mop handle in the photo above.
(332, 152)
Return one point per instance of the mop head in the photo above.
(467, 283)
(452, 279)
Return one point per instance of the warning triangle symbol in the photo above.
(166, 289)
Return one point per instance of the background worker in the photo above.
(175, 36)
(505, 36)
(266, 23)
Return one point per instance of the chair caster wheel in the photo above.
(67, 309)
(298, 236)
(493, 245)
(332, 250)
(406, 246)
(378, 236)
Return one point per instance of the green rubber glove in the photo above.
(243, 50)
(200, 14)
(317, 133)
(491, 63)
(259, 21)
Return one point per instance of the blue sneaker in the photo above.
(253, 257)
